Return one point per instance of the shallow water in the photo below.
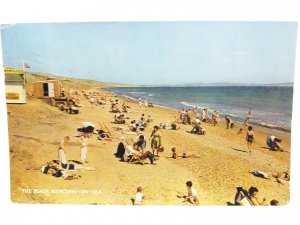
(270, 106)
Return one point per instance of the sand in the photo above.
(220, 163)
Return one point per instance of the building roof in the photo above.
(14, 78)
(14, 75)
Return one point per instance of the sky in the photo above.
(156, 53)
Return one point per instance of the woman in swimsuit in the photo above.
(250, 138)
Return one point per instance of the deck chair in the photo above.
(245, 202)
(136, 159)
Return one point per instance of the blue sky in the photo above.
(156, 52)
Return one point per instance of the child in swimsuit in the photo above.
(250, 138)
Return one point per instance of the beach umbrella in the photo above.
(88, 124)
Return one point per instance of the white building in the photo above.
(15, 85)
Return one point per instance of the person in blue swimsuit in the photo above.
(250, 138)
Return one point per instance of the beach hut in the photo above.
(15, 85)
(47, 89)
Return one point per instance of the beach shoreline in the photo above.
(257, 126)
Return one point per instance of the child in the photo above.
(138, 197)
(174, 154)
(192, 194)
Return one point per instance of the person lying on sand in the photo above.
(184, 155)
(258, 173)
(102, 134)
(58, 171)
(282, 177)
(149, 119)
(114, 108)
(119, 118)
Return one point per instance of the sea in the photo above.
(271, 106)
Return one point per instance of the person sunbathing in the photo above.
(59, 171)
(114, 108)
(282, 177)
(119, 118)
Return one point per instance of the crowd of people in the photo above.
(136, 152)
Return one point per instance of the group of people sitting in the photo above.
(140, 124)
(115, 106)
(70, 106)
(128, 153)
(250, 198)
(94, 98)
(145, 103)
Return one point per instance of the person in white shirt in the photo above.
(196, 125)
(273, 143)
(130, 151)
(192, 194)
(138, 197)
(61, 152)
(83, 149)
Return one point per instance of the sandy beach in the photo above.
(220, 161)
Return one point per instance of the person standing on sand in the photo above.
(246, 122)
(249, 138)
(61, 152)
(155, 139)
(83, 150)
